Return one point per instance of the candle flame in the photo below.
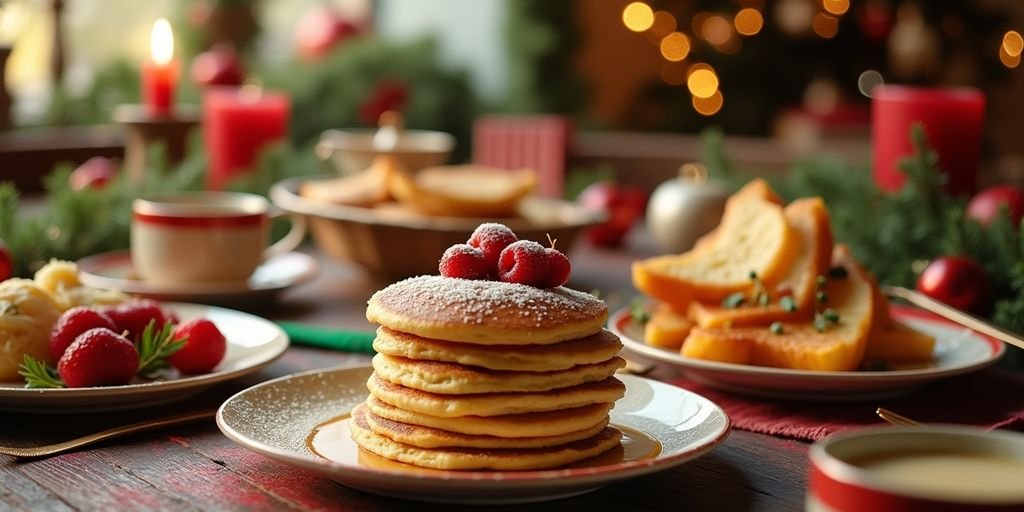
(161, 42)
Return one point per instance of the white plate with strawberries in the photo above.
(100, 369)
(958, 350)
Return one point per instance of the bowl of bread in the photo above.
(395, 222)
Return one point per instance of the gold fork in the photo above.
(896, 419)
(35, 452)
(971, 322)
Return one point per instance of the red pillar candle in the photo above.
(952, 120)
(237, 124)
(160, 71)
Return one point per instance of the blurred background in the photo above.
(792, 72)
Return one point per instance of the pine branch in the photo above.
(155, 347)
(38, 375)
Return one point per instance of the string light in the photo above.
(1013, 43)
(702, 82)
(638, 16)
(675, 47)
(748, 21)
(708, 106)
(837, 7)
(716, 30)
(825, 26)
(1010, 61)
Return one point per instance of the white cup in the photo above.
(205, 236)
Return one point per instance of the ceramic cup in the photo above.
(928, 468)
(204, 236)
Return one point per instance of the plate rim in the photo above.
(996, 350)
(164, 385)
(88, 264)
(545, 477)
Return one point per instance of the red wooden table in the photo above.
(194, 467)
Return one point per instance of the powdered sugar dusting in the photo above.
(470, 302)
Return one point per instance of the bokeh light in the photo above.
(837, 7)
(1010, 61)
(702, 82)
(825, 25)
(1013, 43)
(663, 25)
(675, 47)
(868, 80)
(748, 21)
(638, 16)
(708, 106)
(716, 30)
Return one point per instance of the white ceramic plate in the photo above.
(958, 350)
(275, 418)
(252, 344)
(113, 270)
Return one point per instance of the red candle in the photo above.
(160, 72)
(237, 124)
(952, 120)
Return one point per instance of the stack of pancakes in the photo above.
(488, 375)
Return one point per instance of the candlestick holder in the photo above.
(143, 129)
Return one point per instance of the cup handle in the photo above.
(291, 240)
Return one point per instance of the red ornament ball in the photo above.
(956, 281)
(6, 262)
(218, 66)
(623, 206)
(320, 30)
(94, 173)
(988, 204)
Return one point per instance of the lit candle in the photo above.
(160, 71)
(237, 124)
(952, 120)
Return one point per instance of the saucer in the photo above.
(113, 270)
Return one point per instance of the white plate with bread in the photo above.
(768, 303)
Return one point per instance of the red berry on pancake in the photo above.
(465, 262)
(492, 238)
(524, 262)
(558, 268)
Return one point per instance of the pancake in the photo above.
(494, 404)
(426, 437)
(536, 424)
(535, 358)
(480, 458)
(486, 312)
(452, 378)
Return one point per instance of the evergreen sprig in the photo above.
(155, 347)
(38, 375)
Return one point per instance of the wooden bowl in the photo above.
(395, 242)
(352, 151)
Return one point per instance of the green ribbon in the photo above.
(333, 339)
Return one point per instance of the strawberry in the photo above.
(524, 262)
(492, 238)
(203, 350)
(558, 268)
(133, 315)
(464, 261)
(98, 357)
(73, 322)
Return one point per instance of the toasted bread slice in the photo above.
(463, 190)
(667, 328)
(753, 237)
(364, 189)
(899, 343)
(800, 345)
(809, 217)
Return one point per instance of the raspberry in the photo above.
(98, 357)
(73, 322)
(558, 268)
(203, 350)
(464, 261)
(492, 238)
(133, 315)
(524, 262)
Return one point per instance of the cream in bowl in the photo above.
(923, 468)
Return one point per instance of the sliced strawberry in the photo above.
(98, 357)
(204, 347)
(73, 322)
